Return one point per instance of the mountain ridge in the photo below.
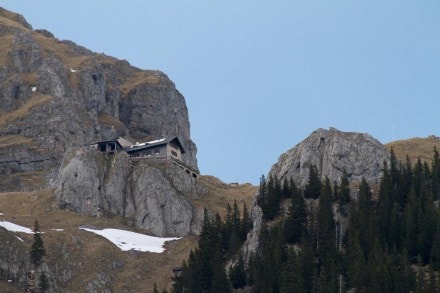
(107, 97)
(88, 96)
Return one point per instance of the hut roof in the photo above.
(154, 143)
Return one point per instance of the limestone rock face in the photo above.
(164, 104)
(253, 238)
(55, 95)
(152, 195)
(332, 151)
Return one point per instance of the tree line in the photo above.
(329, 236)
(328, 242)
(219, 241)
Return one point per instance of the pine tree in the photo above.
(44, 282)
(286, 189)
(274, 194)
(219, 281)
(313, 186)
(394, 168)
(295, 223)
(363, 219)
(344, 189)
(405, 182)
(385, 204)
(356, 264)
(288, 276)
(204, 271)
(226, 231)
(396, 230)
(263, 197)
(246, 223)
(37, 248)
(411, 224)
(417, 176)
(237, 274)
(326, 224)
(435, 252)
(235, 236)
(306, 266)
(436, 175)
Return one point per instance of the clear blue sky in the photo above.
(260, 76)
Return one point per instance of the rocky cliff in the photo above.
(332, 151)
(55, 95)
(152, 195)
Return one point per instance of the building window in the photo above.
(157, 151)
(174, 153)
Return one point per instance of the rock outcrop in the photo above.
(252, 242)
(332, 151)
(152, 195)
(55, 95)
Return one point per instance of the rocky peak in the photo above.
(332, 151)
(55, 95)
(15, 17)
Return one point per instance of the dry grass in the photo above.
(5, 47)
(220, 194)
(91, 254)
(11, 140)
(140, 77)
(8, 288)
(29, 78)
(24, 110)
(10, 19)
(78, 63)
(415, 148)
(68, 57)
(62, 51)
(33, 180)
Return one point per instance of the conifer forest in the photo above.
(328, 237)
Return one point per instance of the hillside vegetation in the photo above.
(82, 257)
(333, 239)
(415, 148)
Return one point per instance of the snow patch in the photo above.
(58, 230)
(72, 70)
(148, 142)
(155, 141)
(34, 88)
(1, 214)
(19, 238)
(15, 228)
(127, 240)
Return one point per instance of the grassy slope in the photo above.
(415, 148)
(90, 254)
